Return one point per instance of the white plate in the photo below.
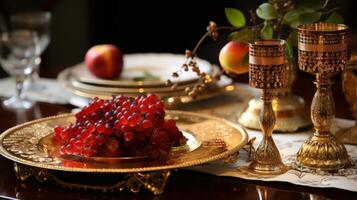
(161, 65)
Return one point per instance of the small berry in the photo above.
(121, 126)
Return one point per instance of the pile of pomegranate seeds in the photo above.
(120, 127)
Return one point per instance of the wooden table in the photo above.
(183, 184)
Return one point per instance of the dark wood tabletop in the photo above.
(183, 184)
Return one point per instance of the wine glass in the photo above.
(18, 49)
(39, 22)
(267, 71)
(323, 52)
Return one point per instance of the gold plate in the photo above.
(96, 88)
(171, 96)
(217, 137)
(89, 91)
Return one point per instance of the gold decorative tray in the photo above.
(218, 138)
(209, 139)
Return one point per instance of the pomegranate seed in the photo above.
(151, 98)
(100, 128)
(128, 136)
(146, 124)
(120, 126)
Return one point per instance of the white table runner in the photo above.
(45, 90)
(230, 106)
(288, 145)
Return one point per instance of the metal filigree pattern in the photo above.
(267, 64)
(290, 110)
(266, 77)
(152, 181)
(323, 52)
(322, 48)
(218, 139)
(23, 144)
(334, 154)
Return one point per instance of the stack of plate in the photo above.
(142, 73)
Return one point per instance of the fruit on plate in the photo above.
(234, 56)
(104, 61)
(120, 127)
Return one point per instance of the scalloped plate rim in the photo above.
(222, 155)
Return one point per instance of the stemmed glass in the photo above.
(18, 49)
(267, 71)
(38, 22)
(322, 52)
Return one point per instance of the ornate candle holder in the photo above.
(267, 72)
(323, 52)
(290, 110)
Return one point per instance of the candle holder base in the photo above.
(290, 111)
(263, 174)
(323, 153)
(267, 161)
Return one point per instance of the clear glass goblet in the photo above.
(18, 49)
(39, 22)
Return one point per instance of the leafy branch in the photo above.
(281, 18)
(273, 19)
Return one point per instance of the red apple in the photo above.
(104, 61)
(234, 56)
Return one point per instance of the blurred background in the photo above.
(135, 26)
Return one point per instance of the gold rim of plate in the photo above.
(95, 88)
(127, 84)
(218, 139)
(66, 81)
(88, 91)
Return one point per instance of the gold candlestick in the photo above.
(267, 72)
(290, 110)
(323, 52)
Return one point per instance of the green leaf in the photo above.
(292, 39)
(310, 17)
(292, 15)
(289, 52)
(334, 18)
(301, 16)
(267, 31)
(310, 4)
(245, 59)
(266, 11)
(306, 18)
(235, 17)
(244, 35)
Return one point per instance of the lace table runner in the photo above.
(45, 90)
(288, 145)
(229, 106)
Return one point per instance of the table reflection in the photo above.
(23, 115)
(266, 193)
